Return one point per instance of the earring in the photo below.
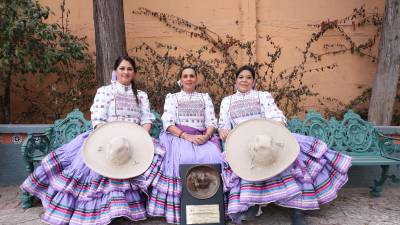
(113, 76)
(179, 82)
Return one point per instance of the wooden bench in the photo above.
(366, 144)
(38, 145)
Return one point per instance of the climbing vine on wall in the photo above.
(217, 60)
(360, 18)
(219, 56)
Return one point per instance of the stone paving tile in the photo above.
(353, 206)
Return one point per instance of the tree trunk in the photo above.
(5, 101)
(109, 26)
(387, 74)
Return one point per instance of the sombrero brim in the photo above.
(238, 157)
(138, 138)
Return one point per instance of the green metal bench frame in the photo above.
(38, 145)
(353, 136)
(366, 144)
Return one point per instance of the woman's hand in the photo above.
(196, 139)
(223, 133)
(190, 138)
(203, 138)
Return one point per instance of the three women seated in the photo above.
(72, 193)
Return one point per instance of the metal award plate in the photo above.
(202, 200)
(202, 181)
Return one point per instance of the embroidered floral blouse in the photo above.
(241, 107)
(190, 109)
(116, 102)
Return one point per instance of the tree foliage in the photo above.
(32, 49)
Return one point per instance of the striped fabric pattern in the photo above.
(166, 188)
(165, 198)
(71, 193)
(312, 180)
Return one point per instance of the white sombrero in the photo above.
(260, 149)
(119, 150)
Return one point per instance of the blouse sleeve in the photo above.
(210, 119)
(169, 116)
(99, 109)
(271, 110)
(146, 116)
(224, 118)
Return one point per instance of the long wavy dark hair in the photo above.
(132, 62)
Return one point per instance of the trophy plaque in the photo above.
(202, 200)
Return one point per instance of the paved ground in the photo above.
(353, 207)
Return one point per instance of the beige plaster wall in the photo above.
(284, 20)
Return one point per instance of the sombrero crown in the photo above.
(260, 149)
(119, 150)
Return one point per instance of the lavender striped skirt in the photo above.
(167, 188)
(71, 193)
(312, 180)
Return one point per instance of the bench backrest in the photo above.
(64, 130)
(37, 145)
(352, 135)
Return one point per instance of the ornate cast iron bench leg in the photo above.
(378, 184)
(26, 200)
(26, 197)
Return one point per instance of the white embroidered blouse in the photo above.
(190, 109)
(241, 107)
(116, 102)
